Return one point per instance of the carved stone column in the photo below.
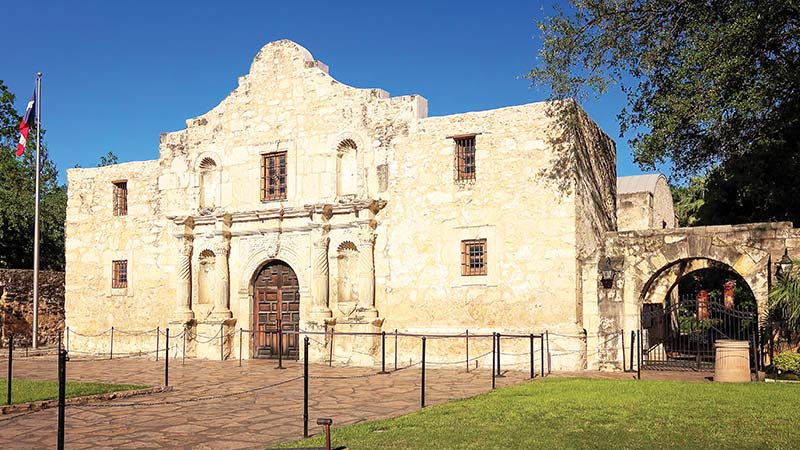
(366, 275)
(320, 278)
(183, 297)
(221, 310)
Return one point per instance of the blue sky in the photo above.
(117, 74)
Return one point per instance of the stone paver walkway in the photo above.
(243, 408)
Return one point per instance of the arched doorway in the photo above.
(695, 303)
(276, 306)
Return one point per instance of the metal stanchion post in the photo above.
(494, 360)
(66, 338)
(422, 387)
(158, 338)
(166, 361)
(240, 347)
(533, 369)
(547, 341)
(305, 387)
(395, 349)
(111, 347)
(10, 364)
(62, 388)
(639, 359)
(383, 353)
(541, 345)
(633, 341)
(622, 336)
(499, 372)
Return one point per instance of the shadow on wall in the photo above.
(580, 147)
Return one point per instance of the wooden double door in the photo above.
(277, 307)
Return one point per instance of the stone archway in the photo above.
(276, 306)
(679, 331)
(663, 283)
(648, 263)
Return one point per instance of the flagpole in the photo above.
(35, 338)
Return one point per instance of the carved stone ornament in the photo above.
(269, 244)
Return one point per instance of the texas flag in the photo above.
(25, 125)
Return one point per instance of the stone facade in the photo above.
(372, 222)
(649, 264)
(644, 202)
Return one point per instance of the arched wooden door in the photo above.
(277, 307)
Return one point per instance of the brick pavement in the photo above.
(235, 420)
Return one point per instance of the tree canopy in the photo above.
(707, 83)
(17, 192)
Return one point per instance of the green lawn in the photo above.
(591, 414)
(23, 391)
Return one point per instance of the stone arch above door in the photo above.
(262, 255)
(653, 260)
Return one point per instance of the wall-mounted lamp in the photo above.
(607, 273)
(783, 267)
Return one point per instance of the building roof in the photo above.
(638, 183)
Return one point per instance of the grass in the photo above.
(24, 391)
(594, 414)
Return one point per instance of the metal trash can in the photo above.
(732, 363)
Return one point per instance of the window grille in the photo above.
(273, 176)
(121, 198)
(119, 274)
(473, 257)
(465, 158)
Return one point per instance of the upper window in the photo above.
(465, 157)
(273, 176)
(119, 274)
(121, 198)
(473, 257)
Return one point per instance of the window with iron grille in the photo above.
(273, 176)
(120, 198)
(473, 257)
(119, 274)
(465, 157)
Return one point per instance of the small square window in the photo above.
(473, 257)
(273, 176)
(119, 274)
(120, 198)
(465, 157)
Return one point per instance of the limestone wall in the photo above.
(647, 209)
(526, 210)
(367, 174)
(95, 237)
(596, 214)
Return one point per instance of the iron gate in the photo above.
(681, 336)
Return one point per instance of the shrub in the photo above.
(788, 362)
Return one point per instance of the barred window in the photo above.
(465, 157)
(273, 176)
(120, 198)
(473, 257)
(119, 274)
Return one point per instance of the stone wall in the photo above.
(16, 306)
(647, 209)
(95, 237)
(650, 263)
